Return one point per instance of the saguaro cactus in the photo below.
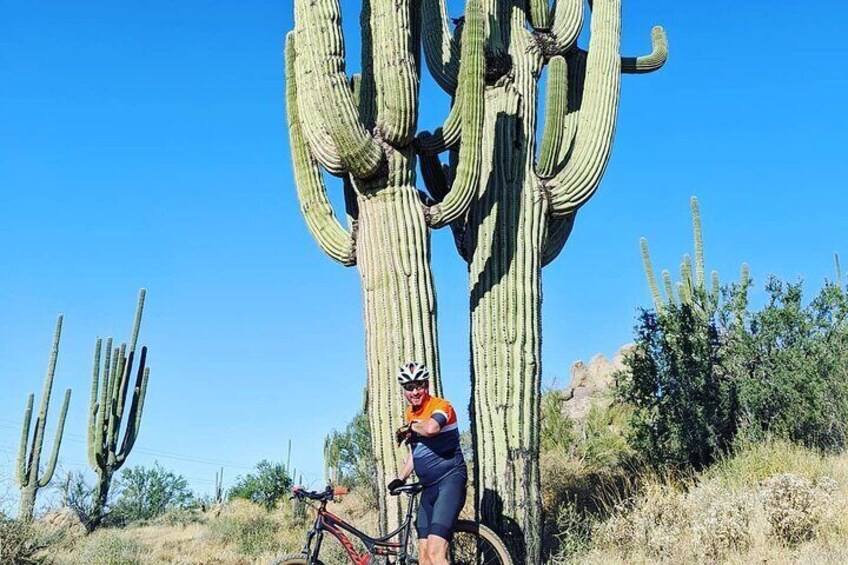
(29, 456)
(363, 131)
(523, 215)
(110, 386)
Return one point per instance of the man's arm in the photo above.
(407, 467)
(427, 428)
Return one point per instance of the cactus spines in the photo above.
(29, 474)
(364, 131)
(111, 383)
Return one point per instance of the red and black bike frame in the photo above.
(374, 547)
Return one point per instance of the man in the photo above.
(435, 455)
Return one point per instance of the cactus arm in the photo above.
(556, 109)
(137, 322)
(445, 137)
(434, 177)
(568, 23)
(700, 271)
(539, 14)
(559, 231)
(22, 475)
(473, 72)
(838, 270)
(649, 274)
(47, 475)
(315, 206)
(651, 62)
(686, 294)
(93, 404)
(395, 75)
(323, 55)
(441, 51)
(715, 292)
(669, 287)
(577, 182)
(136, 405)
(321, 145)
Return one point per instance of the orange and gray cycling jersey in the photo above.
(436, 457)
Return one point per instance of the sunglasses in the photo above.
(409, 387)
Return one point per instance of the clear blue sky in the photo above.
(144, 144)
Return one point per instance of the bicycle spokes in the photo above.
(470, 549)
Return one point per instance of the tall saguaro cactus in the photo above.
(363, 130)
(29, 475)
(111, 409)
(523, 214)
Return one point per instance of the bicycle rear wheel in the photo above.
(294, 559)
(475, 544)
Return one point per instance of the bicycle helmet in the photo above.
(412, 372)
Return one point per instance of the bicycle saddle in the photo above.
(410, 489)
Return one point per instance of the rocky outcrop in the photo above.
(590, 382)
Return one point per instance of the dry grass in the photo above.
(772, 503)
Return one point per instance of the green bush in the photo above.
(148, 492)
(700, 381)
(684, 405)
(20, 542)
(268, 485)
(790, 363)
(349, 457)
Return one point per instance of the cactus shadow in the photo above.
(492, 515)
(500, 205)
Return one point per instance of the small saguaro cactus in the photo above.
(111, 410)
(218, 492)
(29, 456)
(363, 130)
(692, 289)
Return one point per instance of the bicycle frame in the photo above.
(374, 547)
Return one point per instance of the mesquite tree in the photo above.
(522, 216)
(29, 457)
(110, 411)
(363, 130)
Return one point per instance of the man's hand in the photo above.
(403, 434)
(396, 483)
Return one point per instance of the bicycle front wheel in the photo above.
(475, 544)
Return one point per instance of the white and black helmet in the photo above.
(412, 372)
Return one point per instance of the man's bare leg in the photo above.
(437, 550)
(423, 556)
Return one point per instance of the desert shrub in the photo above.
(109, 548)
(790, 362)
(721, 524)
(269, 484)
(557, 429)
(684, 406)
(145, 493)
(349, 457)
(20, 543)
(794, 505)
(79, 495)
(573, 535)
(248, 528)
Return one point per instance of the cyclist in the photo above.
(435, 455)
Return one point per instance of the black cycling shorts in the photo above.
(440, 506)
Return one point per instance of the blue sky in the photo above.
(144, 144)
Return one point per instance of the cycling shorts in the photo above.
(440, 505)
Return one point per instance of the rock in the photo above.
(64, 520)
(589, 382)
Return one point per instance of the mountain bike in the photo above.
(473, 544)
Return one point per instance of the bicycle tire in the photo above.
(476, 544)
(294, 559)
